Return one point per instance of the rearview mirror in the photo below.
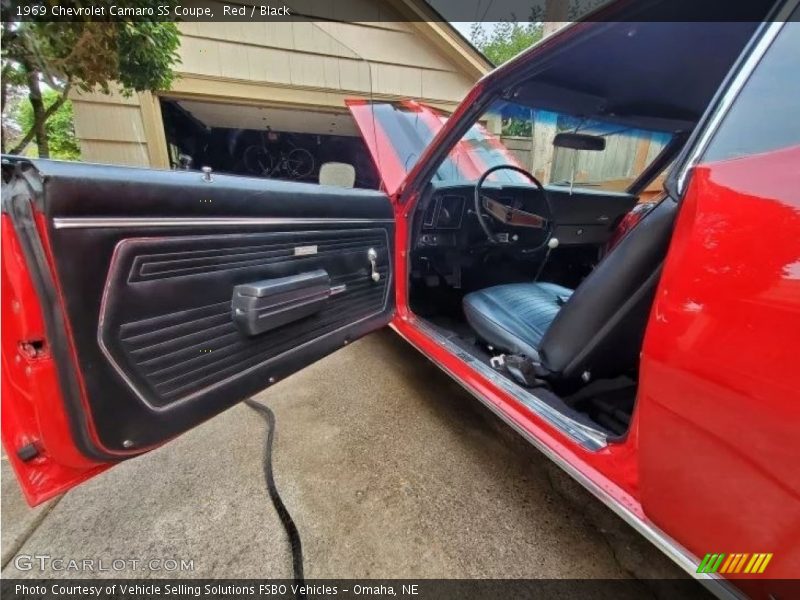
(580, 141)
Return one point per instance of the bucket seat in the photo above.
(594, 331)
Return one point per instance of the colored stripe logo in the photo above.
(752, 564)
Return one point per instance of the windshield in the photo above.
(396, 134)
(508, 133)
(512, 134)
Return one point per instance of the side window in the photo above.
(766, 114)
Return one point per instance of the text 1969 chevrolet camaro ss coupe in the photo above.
(648, 348)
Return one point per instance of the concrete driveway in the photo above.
(389, 469)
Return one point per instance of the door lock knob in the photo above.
(372, 256)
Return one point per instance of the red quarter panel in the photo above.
(719, 409)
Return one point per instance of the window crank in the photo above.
(372, 255)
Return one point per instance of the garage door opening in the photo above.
(275, 143)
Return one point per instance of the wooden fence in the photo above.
(615, 168)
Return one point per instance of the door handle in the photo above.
(372, 255)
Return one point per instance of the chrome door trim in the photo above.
(116, 222)
(686, 560)
(591, 439)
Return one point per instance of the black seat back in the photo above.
(600, 329)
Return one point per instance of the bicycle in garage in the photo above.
(296, 163)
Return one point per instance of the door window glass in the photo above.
(766, 114)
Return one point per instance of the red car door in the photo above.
(719, 398)
(138, 303)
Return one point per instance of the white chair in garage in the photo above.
(338, 174)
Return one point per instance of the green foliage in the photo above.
(505, 40)
(500, 43)
(60, 126)
(87, 55)
(135, 56)
(147, 52)
(517, 127)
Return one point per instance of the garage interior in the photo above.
(261, 141)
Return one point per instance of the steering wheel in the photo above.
(510, 216)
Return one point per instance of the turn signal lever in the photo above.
(551, 244)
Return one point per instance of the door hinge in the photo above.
(32, 348)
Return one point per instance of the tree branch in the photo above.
(3, 94)
(4, 82)
(51, 110)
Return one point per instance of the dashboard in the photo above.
(581, 217)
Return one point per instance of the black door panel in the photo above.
(147, 261)
(171, 330)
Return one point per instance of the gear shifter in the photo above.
(551, 244)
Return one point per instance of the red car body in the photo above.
(710, 460)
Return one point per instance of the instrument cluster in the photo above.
(445, 211)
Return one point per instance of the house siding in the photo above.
(308, 63)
